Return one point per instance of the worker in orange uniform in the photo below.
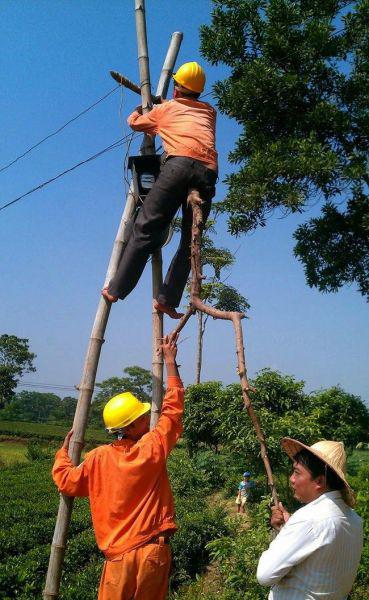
(130, 496)
(186, 126)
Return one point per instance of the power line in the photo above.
(116, 144)
(47, 386)
(58, 130)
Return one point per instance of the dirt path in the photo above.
(230, 507)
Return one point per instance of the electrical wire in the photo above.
(58, 130)
(116, 144)
(47, 386)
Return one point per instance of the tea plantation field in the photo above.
(209, 534)
(30, 501)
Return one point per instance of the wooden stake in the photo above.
(196, 303)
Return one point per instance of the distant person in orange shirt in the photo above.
(129, 491)
(186, 126)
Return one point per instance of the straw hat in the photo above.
(331, 453)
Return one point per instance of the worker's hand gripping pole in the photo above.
(196, 303)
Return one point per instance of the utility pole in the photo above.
(156, 262)
(148, 147)
(87, 384)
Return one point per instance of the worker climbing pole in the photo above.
(196, 165)
(96, 340)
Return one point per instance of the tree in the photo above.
(215, 416)
(32, 407)
(137, 380)
(278, 393)
(201, 416)
(15, 360)
(340, 415)
(64, 411)
(299, 88)
(215, 292)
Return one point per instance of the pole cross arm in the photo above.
(125, 82)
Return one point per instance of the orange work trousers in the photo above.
(141, 574)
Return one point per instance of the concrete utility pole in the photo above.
(87, 384)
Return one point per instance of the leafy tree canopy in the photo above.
(215, 417)
(278, 393)
(299, 88)
(15, 360)
(137, 380)
(39, 407)
(341, 415)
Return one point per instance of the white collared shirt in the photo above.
(316, 554)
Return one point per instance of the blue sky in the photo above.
(55, 244)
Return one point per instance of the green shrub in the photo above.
(186, 480)
(189, 544)
(237, 556)
(212, 466)
(35, 451)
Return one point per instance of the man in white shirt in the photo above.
(317, 552)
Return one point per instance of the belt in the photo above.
(158, 539)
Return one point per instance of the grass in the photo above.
(15, 435)
(357, 459)
(12, 452)
(47, 431)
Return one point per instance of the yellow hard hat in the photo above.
(192, 76)
(122, 410)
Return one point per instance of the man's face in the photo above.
(306, 489)
(139, 427)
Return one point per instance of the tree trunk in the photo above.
(200, 335)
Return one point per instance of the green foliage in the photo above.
(198, 526)
(35, 451)
(40, 407)
(334, 247)
(278, 393)
(137, 380)
(214, 416)
(201, 420)
(360, 483)
(340, 414)
(228, 298)
(15, 360)
(213, 466)
(48, 432)
(298, 86)
(238, 556)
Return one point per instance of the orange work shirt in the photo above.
(127, 482)
(186, 127)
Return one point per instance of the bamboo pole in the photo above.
(149, 148)
(196, 304)
(157, 263)
(86, 388)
